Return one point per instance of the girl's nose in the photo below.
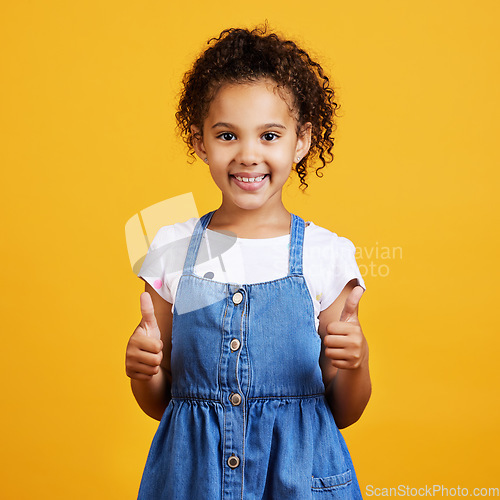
(248, 153)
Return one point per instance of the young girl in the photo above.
(249, 349)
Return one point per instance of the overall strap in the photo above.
(195, 241)
(296, 246)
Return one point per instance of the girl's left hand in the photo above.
(345, 344)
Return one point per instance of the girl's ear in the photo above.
(197, 142)
(303, 140)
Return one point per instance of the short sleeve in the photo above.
(343, 268)
(154, 267)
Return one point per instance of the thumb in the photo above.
(350, 311)
(148, 315)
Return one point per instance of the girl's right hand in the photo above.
(145, 348)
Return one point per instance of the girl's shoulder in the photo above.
(330, 260)
(168, 248)
(175, 231)
(319, 236)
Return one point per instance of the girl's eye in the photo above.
(226, 136)
(270, 136)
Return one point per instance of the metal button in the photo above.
(235, 345)
(237, 298)
(233, 461)
(235, 399)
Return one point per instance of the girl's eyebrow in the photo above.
(222, 124)
(267, 125)
(274, 125)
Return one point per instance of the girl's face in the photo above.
(250, 140)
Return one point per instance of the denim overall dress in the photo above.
(248, 418)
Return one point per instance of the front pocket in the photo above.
(338, 486)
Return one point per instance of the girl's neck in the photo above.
(252, 224)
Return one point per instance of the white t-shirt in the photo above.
(328, 261)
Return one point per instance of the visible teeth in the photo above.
(250, 179)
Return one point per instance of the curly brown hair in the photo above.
(239, 55)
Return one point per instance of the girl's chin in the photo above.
(243, 203)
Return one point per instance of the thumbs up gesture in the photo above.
(145, 348)
(345, 344)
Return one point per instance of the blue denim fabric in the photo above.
(282, 431)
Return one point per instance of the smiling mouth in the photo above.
(250, 180)
(250, 184)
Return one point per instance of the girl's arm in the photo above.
(148, 355)
(344, 357)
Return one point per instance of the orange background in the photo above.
(87, 100)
